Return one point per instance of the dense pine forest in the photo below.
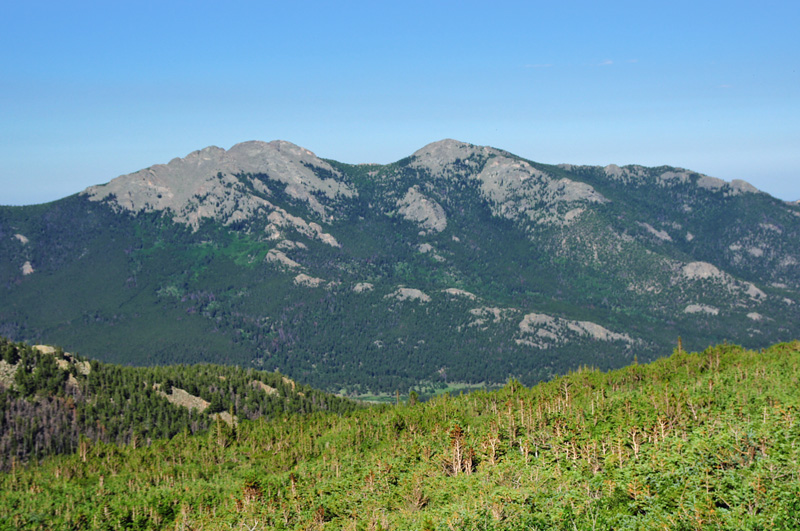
(702, 440)
(52, 402)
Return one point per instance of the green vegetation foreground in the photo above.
(694, 441)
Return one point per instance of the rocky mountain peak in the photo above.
(443, 146)
(438, 156)
(206, 183)
(258, 155)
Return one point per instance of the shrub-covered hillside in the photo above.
(694, 441)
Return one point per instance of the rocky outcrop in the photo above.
(279, 257)
(425, 212)
(408, 294)
(544, 331)
(279, 218)
(703, 271)
(701, 308)
(460, 293)
(7, 373)
(182, 398)
(65, 362)
(308, 281)
(487, 314)
(660, 234)
(361, 287)
(257, 384)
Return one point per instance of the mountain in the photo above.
(694, 441)
(459, 264)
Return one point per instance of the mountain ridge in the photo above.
(253, 157)
(344, 275)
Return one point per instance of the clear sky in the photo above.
(93, 90)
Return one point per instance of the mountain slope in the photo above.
(459, 263)
(695, 441)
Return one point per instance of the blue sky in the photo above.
(90, 91)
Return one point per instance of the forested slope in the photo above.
(52, 402)
(695, 441)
